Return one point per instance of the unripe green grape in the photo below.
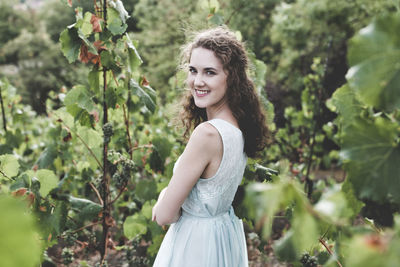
(67, 256)
(108, 132)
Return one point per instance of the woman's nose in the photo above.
(198, 80)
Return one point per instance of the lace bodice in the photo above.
(213, 196)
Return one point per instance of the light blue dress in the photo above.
(208, 234)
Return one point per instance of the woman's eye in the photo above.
(210, 73)
(191, 70)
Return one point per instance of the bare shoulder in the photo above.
(205, 131)
(206, 137)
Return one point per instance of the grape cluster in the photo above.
(70, 238)
(137, 261)
(107, 132)
(67, 256)
(133, 259)
(121, 168)
(308, 261)
(104, 264)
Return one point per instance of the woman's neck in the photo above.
(223, 113)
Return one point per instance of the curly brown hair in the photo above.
(242, 98)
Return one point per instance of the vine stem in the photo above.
(97, 193)
(84, 227)
(308, 182)
(106, 176)
(3, 112)
(127, 131)
(329, 250)
(143, 146)
(2, 173)
(123, 189)
(234, 12)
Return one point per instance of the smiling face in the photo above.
(207, 79)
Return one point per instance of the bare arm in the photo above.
(197, 155)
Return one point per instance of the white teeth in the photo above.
(202, 92)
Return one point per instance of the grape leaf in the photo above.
(134, 58)
(96, 25)
(305, 231)
(372, 156)
(47, 157)
(48, 180)
(94, 80)
(163, 146)
(90, 46)
(146, 189)
(70, 44)
(87, 27)
(143, 95)
(80, 97)
(135, 225)
(118, 6)
(284, 247)
(86, 208)
(115, 24)
(9, 166)
(115, 96)
(91, 137)
(344, 102)
(19, 245)
(374, 57)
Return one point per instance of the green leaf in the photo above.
(115, 96)
(217, 19)
(134, 59)
(79, 104)
(374, 57)
(333, 204)
(89, 44)
(146, 189)
(373, 157)
(86, 208)
(284, 247)
(118, 6)
(58, 218)
(147, 209)
(47, 157)
(9, 166)
(257, 195)
(108, 61)
(135, 225)
(79, 96)
(91, 137)
(116, 25)
(48, 180)
(163, 146)
(352, 202)
(87, 27)
(70, 44)
(94, 80)
(19, 245)
(344, 102)
(143, 95)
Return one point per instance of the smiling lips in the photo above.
(201, 93)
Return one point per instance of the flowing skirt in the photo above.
(204, 242)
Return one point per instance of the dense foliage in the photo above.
(77, 185)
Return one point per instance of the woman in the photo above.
(229, 125)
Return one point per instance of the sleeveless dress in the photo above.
(208, 234)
